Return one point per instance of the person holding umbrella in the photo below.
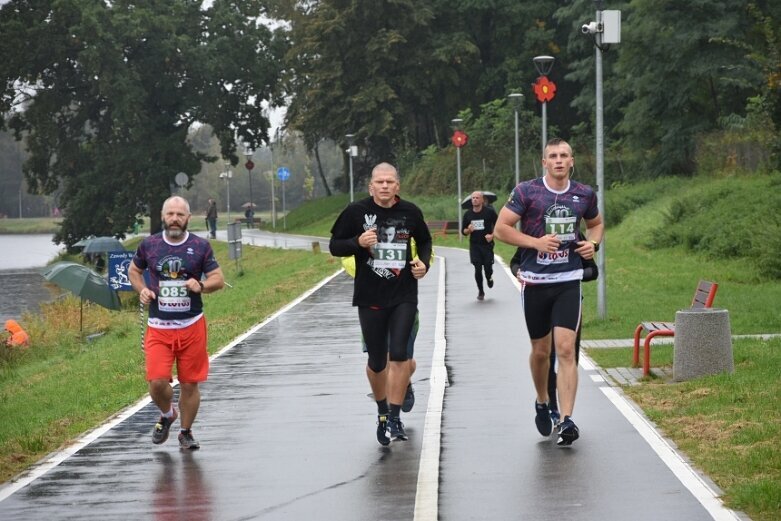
(176, 328)
(479, 224)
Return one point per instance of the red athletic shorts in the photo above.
(186, 347)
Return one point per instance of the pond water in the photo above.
(21, 262)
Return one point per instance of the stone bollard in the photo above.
(703, 343)
(315, 246)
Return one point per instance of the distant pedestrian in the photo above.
(176, 329)
(211, 218)
(386, 287)
(479, 224)
(100, 263)
(550, 210)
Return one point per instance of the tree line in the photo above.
(106, 96)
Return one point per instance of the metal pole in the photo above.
(517, 157)
(284, 212)
(251, 208)
(228, 180)
(458, 203)
(601, 282)
(544, 126)
(273, 204)
(349, 153)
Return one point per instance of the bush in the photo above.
(728, 218)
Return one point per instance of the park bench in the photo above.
(703, 298)
(243, 220)
(442, 227)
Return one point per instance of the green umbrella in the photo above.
(84, 283)
(103, 245)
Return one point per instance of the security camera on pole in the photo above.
(606, 30)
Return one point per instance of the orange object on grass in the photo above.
(18, 337)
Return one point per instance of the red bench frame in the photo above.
(703, 298)
(442, 227)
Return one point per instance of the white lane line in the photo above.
(50, 462)
(699, 488)
(427, 495)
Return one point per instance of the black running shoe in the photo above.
(491, 282)
(383, 436)
(568, 432)
(396, 429)
(542, 418)
(163, 425)
(480, 296)
(409, 399)
(187, 442)
(555, 417)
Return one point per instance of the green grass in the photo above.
(30, 225)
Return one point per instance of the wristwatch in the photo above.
(596, 245)
(201, 285)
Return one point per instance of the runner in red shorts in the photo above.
(176, 331)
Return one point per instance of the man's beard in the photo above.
(174, 233)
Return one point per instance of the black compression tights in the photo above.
(386, 331)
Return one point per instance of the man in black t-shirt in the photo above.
(479, 225)
(386, 286)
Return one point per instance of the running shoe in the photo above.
(187, 442)
(163, 425)
(409, 399)
(491, 282)
(542, 418)
(383, 436)
(568, 432)
(396, 429)
(555, 417)
(480, 296)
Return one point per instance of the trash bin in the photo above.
(703, 343)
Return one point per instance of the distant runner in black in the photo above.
(479, 224)
(378, 231)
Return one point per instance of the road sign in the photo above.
(283, 173)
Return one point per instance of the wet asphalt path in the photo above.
(287, 430)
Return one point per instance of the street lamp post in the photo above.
(249, 165)
(227, 174)
(457, 126)
(544, 64)
(516, 98)
(351, 151)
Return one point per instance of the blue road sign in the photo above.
(283, 173)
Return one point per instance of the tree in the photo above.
(682, 75)
(105, 95)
